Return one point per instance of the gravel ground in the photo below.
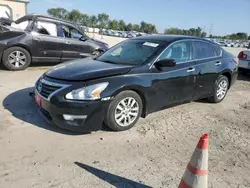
(152, 154)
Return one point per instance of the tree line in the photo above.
(197, 32)
(101, 21)
(234, 36)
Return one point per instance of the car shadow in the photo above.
(244, 76)
(22, 105)
(112, 179)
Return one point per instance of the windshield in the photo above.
(22, 25)
(131, 52)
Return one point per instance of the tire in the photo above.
(16, 58)
(114, 114)
(222, 84)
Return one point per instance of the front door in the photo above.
(172, 85)
(75, 44)
(207, 63)
(46, 45)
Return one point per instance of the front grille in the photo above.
(45, 88)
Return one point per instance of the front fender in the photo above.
(140, 83)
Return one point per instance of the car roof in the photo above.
(31, 16)
(168, 38)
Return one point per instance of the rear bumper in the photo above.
(244, 64)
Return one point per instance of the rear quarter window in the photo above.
(217, 50)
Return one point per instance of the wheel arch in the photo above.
(139, 91)
(228, 74)
(19, 45)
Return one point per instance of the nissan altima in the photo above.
(133, 79)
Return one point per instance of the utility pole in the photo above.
(211, 29)
(203, 30)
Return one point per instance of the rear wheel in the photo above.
(220, 89)
(124, 111)
(16, 58)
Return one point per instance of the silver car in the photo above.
(244, 60)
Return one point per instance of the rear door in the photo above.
(75, 44)
(207, 63)
(46, 45)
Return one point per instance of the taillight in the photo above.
(242, 55)
(236, 60)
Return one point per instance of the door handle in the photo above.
(191, 70)
(67, 42)
(218, 63)
(37, 39)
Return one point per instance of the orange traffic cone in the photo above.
(196, 172)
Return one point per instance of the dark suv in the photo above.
(37, 38)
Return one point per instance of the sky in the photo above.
(221, 17)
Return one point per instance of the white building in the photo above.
(13, 9)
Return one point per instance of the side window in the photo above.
(203, 50)
(180, 52)
(70, 32)
(217, 50)
(46, 28)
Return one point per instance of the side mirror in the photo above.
(82, 39)
(166, 63)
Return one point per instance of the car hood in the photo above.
(103, 45)
(86, 69)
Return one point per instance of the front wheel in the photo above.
(220, 89)
(124, 111)
(16, 58)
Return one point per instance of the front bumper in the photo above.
(80, 116)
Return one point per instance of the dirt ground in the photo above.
(152, 154)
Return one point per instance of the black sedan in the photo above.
(132, 79)
(37, 38)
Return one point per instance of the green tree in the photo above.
(136, 27)
(113, 24)
(129, 27)
(85, 20)
(74, 16)
(143, 26)
(242, 36)
(248, 37)
(103, 20)
(93, 21)
(122, 25)
(203, 34)
(190, 32)
(58, 13)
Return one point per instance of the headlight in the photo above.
(88, 93)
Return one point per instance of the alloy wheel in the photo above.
(17, 59)
(222, 89)
(126, 111)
